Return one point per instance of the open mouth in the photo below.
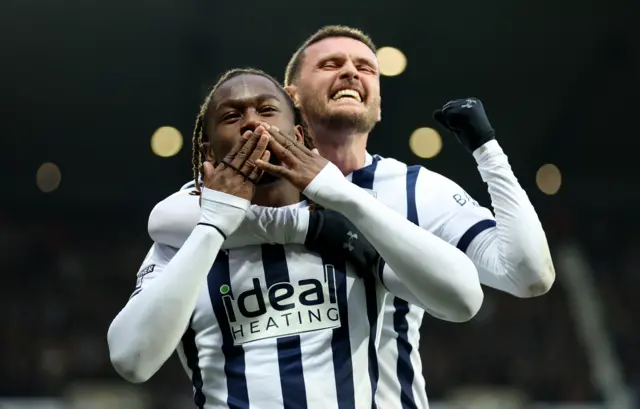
(347, 93)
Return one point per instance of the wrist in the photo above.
(222, 210)
(329, 188)
(487, 151)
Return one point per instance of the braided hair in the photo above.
(200, 136)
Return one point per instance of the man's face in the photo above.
(240, 105)
(339, 85)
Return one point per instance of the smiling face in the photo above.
(239, 105)
(339, 85)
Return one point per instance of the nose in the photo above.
(349, 71)
(251, 121)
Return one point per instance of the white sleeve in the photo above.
(514, 256)
(441, 277)
(172, 220)
(149, 328)
(510, 251)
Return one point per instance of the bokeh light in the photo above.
(166, 141)
(48, 177)
(425, 142)
(392, 61)
(549, 179)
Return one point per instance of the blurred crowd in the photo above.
(63, 281)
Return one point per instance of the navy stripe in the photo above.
(294, 394)
(412, 179)
(189, 186)
(234, 363)
(473, 231)
(191, 354)
(364, 178)
(404, 368)
(340, 340)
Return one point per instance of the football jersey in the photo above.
(440, 206)
(279, 327)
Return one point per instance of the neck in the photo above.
(345, 150)
(277, 194)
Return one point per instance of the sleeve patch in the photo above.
(147, 270)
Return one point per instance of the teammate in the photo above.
(334, 78)
(276, 326)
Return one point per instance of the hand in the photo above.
(237, 173)
(299, 164)
(335, 237)
(468, 122)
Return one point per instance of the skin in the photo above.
(341, 128)
(240, 113)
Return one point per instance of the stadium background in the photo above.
(85, 85)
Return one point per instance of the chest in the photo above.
(395, 186)
(271, 291)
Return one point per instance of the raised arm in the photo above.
(511, 255)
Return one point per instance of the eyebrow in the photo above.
(344, 56)
(235, 102)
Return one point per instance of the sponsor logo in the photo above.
(140, 276)
(282, 309)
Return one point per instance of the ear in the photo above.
(292, 90)
(206, 151)
(298, 133)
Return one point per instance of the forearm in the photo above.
(148, 329)
(270, 225)
(441, 277)
(514, 256)
(172, 220)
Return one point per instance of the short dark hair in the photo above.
(293, 68)
(199, 133)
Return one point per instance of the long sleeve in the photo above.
(440, 276)
(148, 329)
(172, 220)
(514, 255)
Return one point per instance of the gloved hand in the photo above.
(333, 235)
(468, 122)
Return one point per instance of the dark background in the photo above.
(85, 85)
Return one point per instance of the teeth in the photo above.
(347, 93)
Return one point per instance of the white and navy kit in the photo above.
(511, 255)
(440, 206)
(279, 327)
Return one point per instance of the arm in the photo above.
(514, 255)
(172, 220)
(443, 280)
(148, 329)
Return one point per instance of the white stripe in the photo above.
(210, 357)
(414, 319)
(359, 330)
(317, 366)
(263, 373)
(388, 394)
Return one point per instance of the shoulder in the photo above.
(391, 167)
(173, 218)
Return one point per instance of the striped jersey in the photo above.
(279, 327)
(440, 206)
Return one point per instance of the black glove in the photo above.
(333, 235)
(468, 122)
